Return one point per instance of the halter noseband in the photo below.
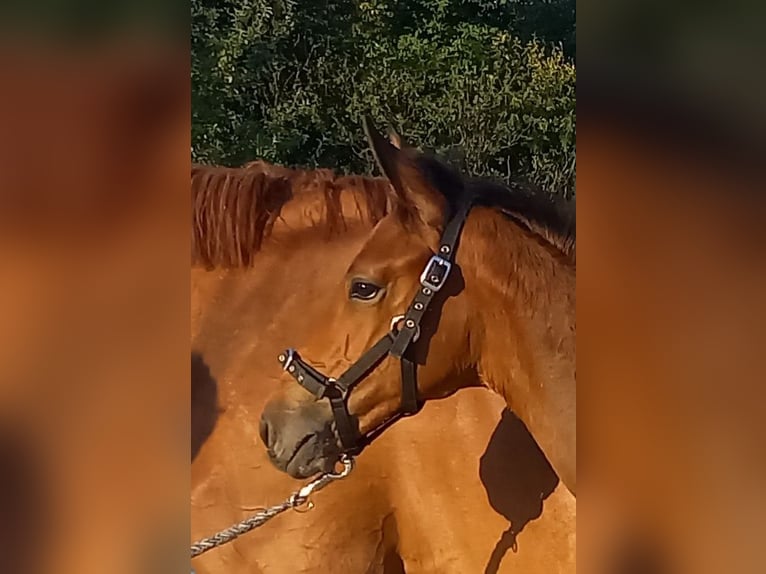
(397, 343)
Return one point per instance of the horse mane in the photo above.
(234, 209)
(548, 217)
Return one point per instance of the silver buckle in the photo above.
(435, 260)
(290, 357)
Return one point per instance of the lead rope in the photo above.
(295, 500)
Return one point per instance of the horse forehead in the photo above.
(390, 241)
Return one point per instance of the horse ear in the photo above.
(415, 196)
(395, 138)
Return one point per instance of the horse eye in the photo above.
(363, 290)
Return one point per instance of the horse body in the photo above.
(450, 490)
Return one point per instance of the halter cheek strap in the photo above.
(398, 343)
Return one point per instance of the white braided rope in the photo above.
(296, 499)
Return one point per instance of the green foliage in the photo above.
(488, 83)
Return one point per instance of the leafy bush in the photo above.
(482, 82)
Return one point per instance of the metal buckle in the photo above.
(424, 277)
(289, 358)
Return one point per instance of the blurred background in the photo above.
(672, 253)
(94, 287)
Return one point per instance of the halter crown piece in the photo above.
(397, 342)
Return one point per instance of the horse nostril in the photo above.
(264, 430)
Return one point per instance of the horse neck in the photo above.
(522, 300)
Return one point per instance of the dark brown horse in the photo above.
(451, 490)
(505, 318)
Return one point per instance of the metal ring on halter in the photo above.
(326, 478)
(331, 383)
(396, 319)
(348, 465)
(290, 355)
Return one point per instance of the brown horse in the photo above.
(412, 504)
(505, 319)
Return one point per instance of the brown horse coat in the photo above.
(450, 490)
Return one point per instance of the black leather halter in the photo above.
(397, 343)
